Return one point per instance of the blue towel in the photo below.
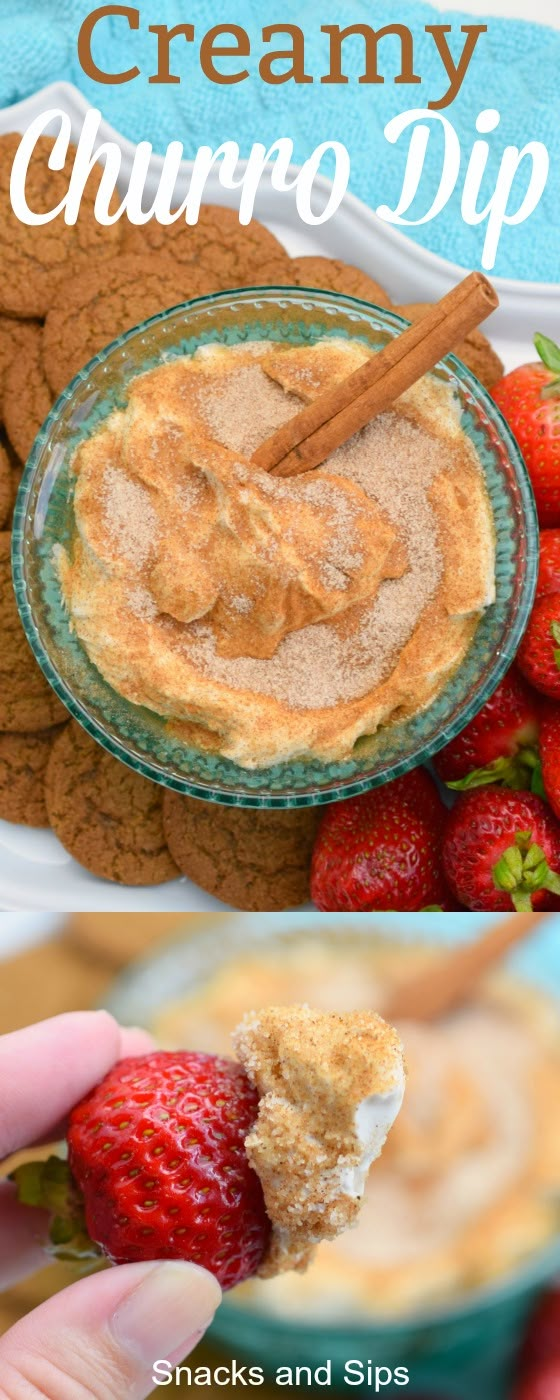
(514, 69)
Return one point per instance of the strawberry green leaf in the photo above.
(537, 784)
(548, 352)
(523, 870)
(555, 634)
(49, 1184)
(512, 772)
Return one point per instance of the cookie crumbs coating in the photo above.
(330, 1087)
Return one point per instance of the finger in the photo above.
(134, 1041)
(47, 1068)
(23, 1230)
(101, 1337)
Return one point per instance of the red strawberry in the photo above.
(157, 1150)
(549, 744)
(381, 850)
(539, 654)
(529, 398)
(543, 1336)
(541, 1383)
(418, 789)
(444, 901)
(548, 580)
(497, 744)
(502, 849)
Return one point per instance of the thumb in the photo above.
(99, 1339)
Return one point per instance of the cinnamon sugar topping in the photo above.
(285, 617)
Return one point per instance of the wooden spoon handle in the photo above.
(441, 988)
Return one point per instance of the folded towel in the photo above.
(514, 69)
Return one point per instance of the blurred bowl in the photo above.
(458, 1349)
(44, 518)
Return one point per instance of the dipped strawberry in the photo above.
(158, 1168)
(381, 850)
(498, 745)
(539, 654)
(529, 398)
(501, 850)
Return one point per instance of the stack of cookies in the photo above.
(66, 292)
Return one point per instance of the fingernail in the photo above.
(166, 1313)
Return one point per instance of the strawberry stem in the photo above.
(523, 870)
(515, 772)
(555, 634)
(50, 1185)
(549, 353)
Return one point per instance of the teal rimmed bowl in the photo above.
(44, 517)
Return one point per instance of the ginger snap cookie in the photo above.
(27, 701)
(23, 765)
(475, 350)
(331, 275)
(35, 257)
(15, 339)
(27, 396)
(91, 310)
(254, 860)
(230, 253)
(6, 486)
(16, 471)
(108, 817)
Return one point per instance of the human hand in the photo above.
(98, 1339)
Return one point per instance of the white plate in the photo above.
(35, 871)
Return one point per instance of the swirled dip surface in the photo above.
(270, 618)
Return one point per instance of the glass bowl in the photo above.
(457, 1349)
(44, 517)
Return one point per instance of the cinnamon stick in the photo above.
(310, 436)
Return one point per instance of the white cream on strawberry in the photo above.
(330, 1086)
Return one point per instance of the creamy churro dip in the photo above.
(270, 618)
(330, 1086)
(468, 1184)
